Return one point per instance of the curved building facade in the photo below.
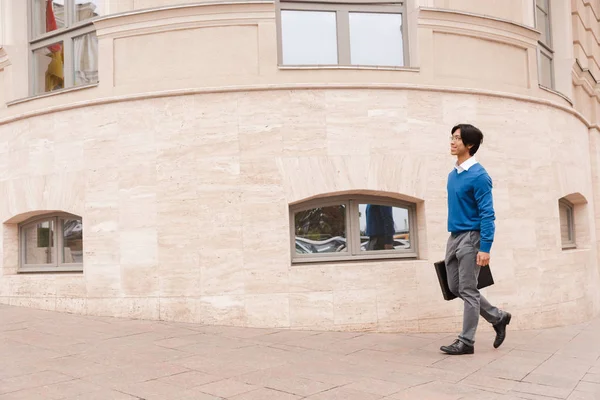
(227, 162)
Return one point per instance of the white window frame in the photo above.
(571, 243)
(343, 10)
(57, 265)
(545, 48)
(353, 230)
(66, 35)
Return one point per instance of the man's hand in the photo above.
(388, 247)
(483, 259)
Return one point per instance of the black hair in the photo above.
(470, 136)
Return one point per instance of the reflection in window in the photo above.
(72, 249)
(39, 243)
(88, 9)
(545, 52)
(86, 59)
(309, 37)
(376, 39)
(72, 58)
(48, 16)
(49, 68)
(545, 70)
(383, 227)
(321, 230)
(346, 228)
(52, 243)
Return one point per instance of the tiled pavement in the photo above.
(48, 355)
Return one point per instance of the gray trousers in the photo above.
(463, 271)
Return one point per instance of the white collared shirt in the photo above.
(465, 165)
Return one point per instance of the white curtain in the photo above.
(86, 59)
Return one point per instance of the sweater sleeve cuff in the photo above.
(485, 247)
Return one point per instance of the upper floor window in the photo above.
(341, 33)
(51, 243)
(545, 52)
(350, 228)
(63, 43)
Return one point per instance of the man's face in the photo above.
(457, 147)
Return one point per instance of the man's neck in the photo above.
(462, 159)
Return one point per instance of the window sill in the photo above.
(50, 94)
(51, 270)
(362, 258)
(347, 67)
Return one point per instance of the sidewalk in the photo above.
(49, 355)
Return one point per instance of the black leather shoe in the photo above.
(458, 348)
(500, 329)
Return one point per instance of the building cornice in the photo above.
(303, 86)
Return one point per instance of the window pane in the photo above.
(545, 70)
(49, 68)
(72, 251)
(48, 16)
(321, 230)
(383, 227)
(39, 243)
(543, 4)
(376, 39)
(85, 55)
(309, 37)
(566, 224)
(87, 9)
(543, 26)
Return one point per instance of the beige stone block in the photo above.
(138, 247)
(219, 209)
(137, 207)
(266, 279)
(268, 310)
(72, 285)
(355, 307)
(311, 310)
(180, 309)
(41, 303)
(140, 280)
(311, 278)
(395, 305)
(185, 281)
(219, 172)
(103, 280)
(133, 308)
(71, 305)
(260, 171)
(35, 285)
(222, 310)
(222, 272)
(101, 218)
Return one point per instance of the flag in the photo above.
(55, 72)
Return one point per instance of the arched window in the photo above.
(353, 228)
(51, 242)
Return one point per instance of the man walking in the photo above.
(471, 226)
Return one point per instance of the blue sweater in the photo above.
(470, 204)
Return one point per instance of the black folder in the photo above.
(485, 279)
